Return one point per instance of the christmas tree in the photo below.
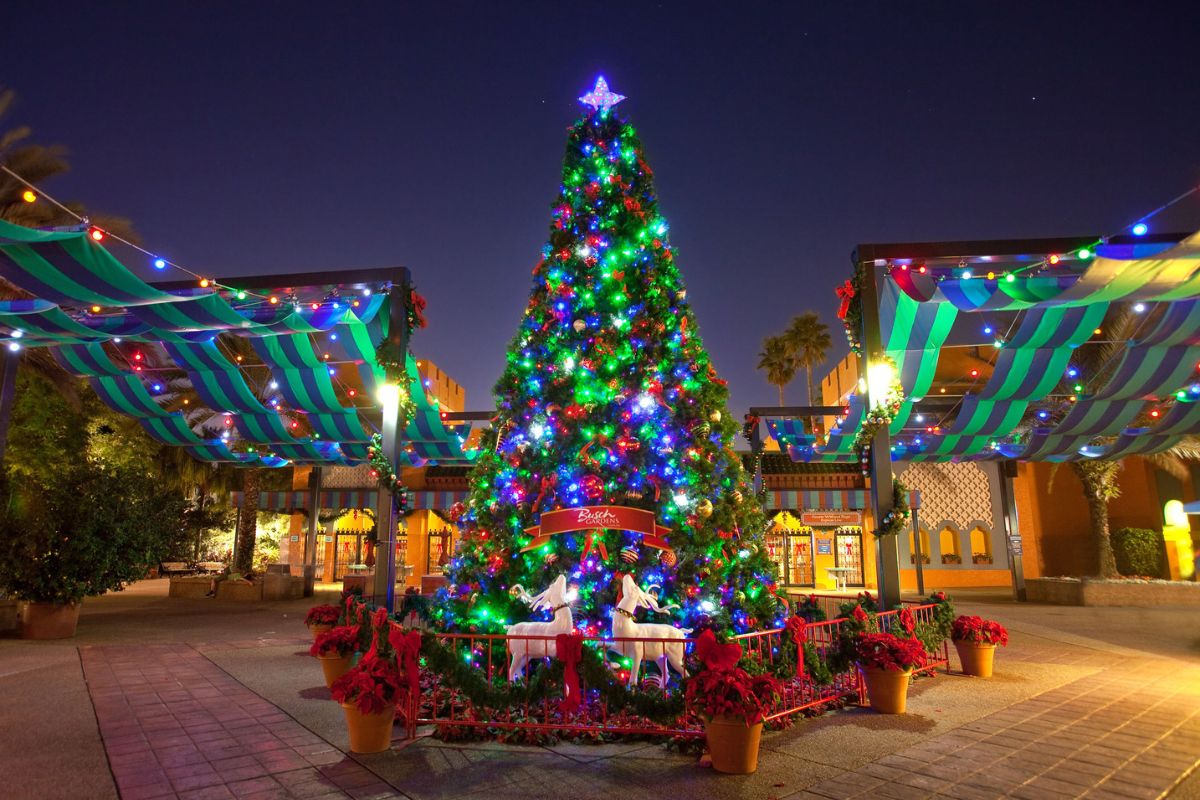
(611, 451)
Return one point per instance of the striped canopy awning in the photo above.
(1030, 403)
(301, 392)
(826, 500)
(297, 500)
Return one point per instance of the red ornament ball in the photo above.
(629, 555)
(592, 486)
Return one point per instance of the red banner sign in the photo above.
(599, 517)
(826, 519)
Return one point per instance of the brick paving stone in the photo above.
(176, 725)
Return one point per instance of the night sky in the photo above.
(250, 138)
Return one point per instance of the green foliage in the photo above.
(45, 431)
(1139, 552)
(93, 530)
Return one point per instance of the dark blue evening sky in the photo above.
(268, 136)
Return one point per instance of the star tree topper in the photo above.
(600, 98)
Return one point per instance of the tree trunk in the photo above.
(812, 392)
(1096, 492)
(243, 559)
(780, 387)
(199, 531)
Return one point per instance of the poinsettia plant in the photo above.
(323, 615)
(979, 631)
(723, 689)
(339, 641)
(372, 686)
(887, 652)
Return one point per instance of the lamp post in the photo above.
(384, 586)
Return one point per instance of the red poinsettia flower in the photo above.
(859, 614)
(907, 621)
(340, 641)
(979, 631)
(885, 651)
(323, 615)
(371, 686)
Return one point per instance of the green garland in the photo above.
(470, 681)
(388, 480)
(895, 521)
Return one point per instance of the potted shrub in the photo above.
(369, 691)
(887, 663)
(975, 639)
(733, 704)
(321, 619)
(981, 558)
(951, 558)
(92, 530)
(335, 649)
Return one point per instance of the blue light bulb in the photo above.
(160, 263)
(1140, 229)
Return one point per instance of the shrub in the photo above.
(93, 529)
(1139, 552)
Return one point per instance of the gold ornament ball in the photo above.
(704, 508)
(681, 294)
(667, 557)
(737, 496)
(550, 558)
(579, 325)
(514, 592)
(714, 417)
(740, 597)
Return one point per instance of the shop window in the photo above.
(981, 546)
(948, 539)
(912, 547)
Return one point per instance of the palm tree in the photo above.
(808, 338)
(1095, 362)
(779, 362)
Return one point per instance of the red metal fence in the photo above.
(442, 705)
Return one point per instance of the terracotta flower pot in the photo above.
(976, 658)
(317, 630)
(335, 667)
(887, 690)
(48, 620)
(369, 733)
(733, 744)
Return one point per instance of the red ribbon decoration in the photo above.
(595, 539)
(570, 652)
(408, 647)
(714, 655)
(798, 628)
(845, 293)
(418, 306)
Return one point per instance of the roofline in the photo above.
(295, 279)
(998, 247)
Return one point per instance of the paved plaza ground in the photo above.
(200, 699)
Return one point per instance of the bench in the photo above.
(169, 568)
(211, 567)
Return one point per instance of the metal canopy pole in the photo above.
(384, 585)
(1012, 531)
(887, 551)
(918, 556)
(310, 540)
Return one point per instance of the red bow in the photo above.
(845, 293)
(714, 655)
(418, 305)
(570, 652)
(798, 628)
(408, 647)
(907, 620)
(595, 541)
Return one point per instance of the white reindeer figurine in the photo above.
(624, 626)
(521, 651)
